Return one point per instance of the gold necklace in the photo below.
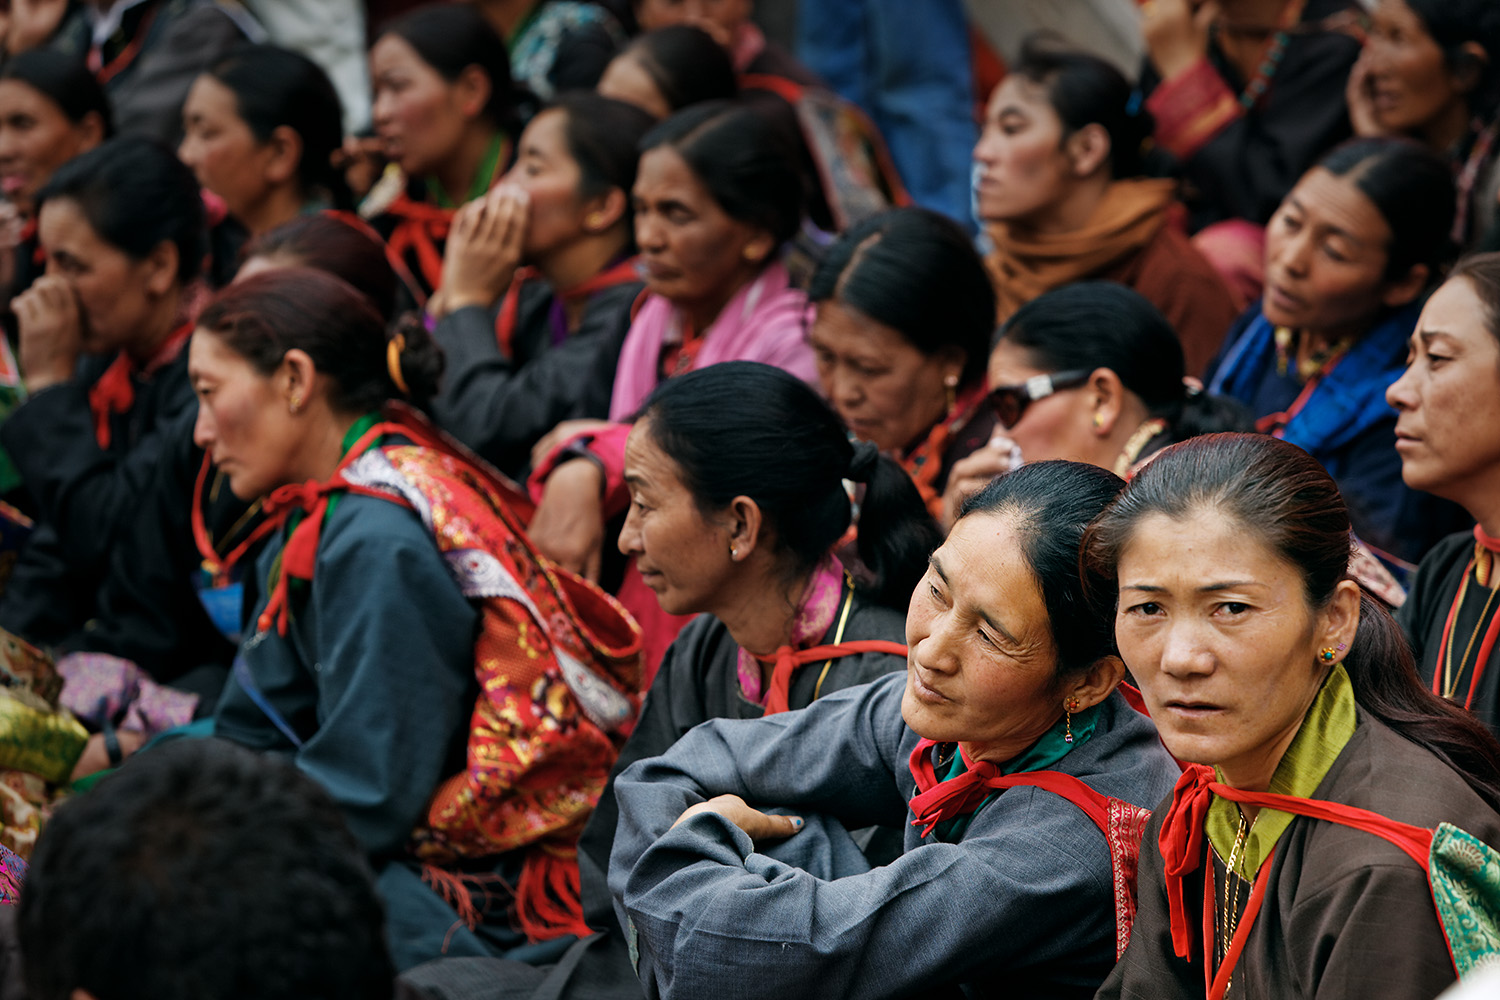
(1138, 441)
(1288, 342)
(1229, 918)
(1450, 680)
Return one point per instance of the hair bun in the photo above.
(862, 462)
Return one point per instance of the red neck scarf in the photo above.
(219, 567)
(299, 554)
(936, 800)
(925, 461)
(419, 230)
(510, 306)
(115, 392)
(1182, 842)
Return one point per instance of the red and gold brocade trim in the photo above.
(1191, 108)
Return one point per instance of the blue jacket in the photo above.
(1346, 424)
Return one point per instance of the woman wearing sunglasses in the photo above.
(900, 327)
(1091, 373)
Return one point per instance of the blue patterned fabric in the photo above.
(1346, 403)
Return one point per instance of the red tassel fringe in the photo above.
(547, 901)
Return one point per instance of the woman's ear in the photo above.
(742, 521)
(160, 268)
(759, 247)
(1469, 66)
(473, 88)
(1406, 288)
(1108, 396)
(604, 211)
(1094, 686)
(1088, 149)
(285, 149)
(91, 130)
(1342, 616)
(952, 360)
(294, 379)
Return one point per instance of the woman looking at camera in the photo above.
(1268, 673)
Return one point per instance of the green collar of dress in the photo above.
(1052, 747)
(482, 177)
(1325, 731)
(357, 430)
(351, 437)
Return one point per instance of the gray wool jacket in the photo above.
(1021, 906)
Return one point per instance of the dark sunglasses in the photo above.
(1010, 401)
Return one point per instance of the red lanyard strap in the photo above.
(1275, 424)
(1183, 847)
(220, 567)
(1218, 984)
(789, 659)
(1485, 547)
(106, 72)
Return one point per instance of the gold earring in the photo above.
(752, 255)
(1070, 706)
(594, 219)
(1327, 653)
(294, 405)
(1098, 420)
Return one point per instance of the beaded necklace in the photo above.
(1275, 52)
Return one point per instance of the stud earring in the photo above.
(1327, 653)
(1098, 420)
(752, 255)
(734, 553)
(1070, 706)
(593, 220)
(294, 404)
(1343, 646)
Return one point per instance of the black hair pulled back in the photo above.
(783, 446)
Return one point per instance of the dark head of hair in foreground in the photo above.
(202, 871)
(1053, 503)
(1279, 494)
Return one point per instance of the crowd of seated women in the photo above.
(686, 567)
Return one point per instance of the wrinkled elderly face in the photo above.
(1448, 432)
(982, 663)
